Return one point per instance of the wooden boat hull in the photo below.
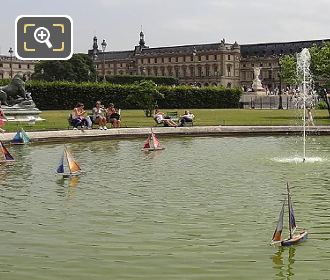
(301, 237)
(153, 149)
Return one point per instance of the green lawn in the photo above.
(135, 118)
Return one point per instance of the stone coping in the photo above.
(117, 133)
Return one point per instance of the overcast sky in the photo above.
(176, 22)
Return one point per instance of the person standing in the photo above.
(310, 120)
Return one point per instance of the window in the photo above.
(177, 59)
(149, 60)
(261, 64)
(228, 69)
(269, 74)
(163, 60)
(244, 65)
(207, 71)
(228, 56)
(19, 66)
(200, 72)
(207, 57)
(1, 65)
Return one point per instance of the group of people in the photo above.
(100, 116)
(161, 118)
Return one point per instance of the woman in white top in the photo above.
(159, 118)
(99, 115)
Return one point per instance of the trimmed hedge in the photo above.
(65, 95)
(127, 79)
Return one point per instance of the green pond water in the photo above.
(204, 208)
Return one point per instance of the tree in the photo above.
(320, 68)
(146, 97)
(78, 68)
(289, 69)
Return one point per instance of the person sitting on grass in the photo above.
(78, 117)
(99, 115)
(113, 116)
(2, 119)
(159, 118)
(186, 117)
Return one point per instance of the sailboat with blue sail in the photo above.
(68, 166)
(5, 156)
(293, 238)
(20, 138)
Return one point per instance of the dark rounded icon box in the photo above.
(44, 37)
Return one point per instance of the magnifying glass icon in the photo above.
(41, 35)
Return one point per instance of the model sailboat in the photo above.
(20, 138)
(152, 143)
(68, 165)
(293, 238)
(5, 156)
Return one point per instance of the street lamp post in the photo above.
(194, 53)
(104, 45)
(89, 74)
(280, 103)
(94, 58)
(11, 62)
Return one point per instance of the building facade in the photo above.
(10, 65)
(225, 64)
(201, 65)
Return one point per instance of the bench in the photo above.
(71, 121)
(173, 115)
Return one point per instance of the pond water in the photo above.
(204, 208)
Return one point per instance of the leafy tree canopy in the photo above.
(78, 68)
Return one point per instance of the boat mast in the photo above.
(67, 158)
(289, 208)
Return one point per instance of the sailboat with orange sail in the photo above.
(5, 156)
(293, 238)
(152, 143)
(68, 166)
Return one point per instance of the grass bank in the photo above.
(55, 120)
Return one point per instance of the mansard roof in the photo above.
(186, 49)
(182, 49)
(267, 49)
(116, 55)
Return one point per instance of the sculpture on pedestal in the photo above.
(19, 105)
(15, 93)
(256, 84)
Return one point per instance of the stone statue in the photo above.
(19, 106)
(15, 93)
(257, 85)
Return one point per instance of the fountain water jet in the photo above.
(305, 79)
(304, 99)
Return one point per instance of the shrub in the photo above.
(65, 95)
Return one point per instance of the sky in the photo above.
(175, 22)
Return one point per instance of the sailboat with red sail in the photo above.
(5, 156)
(293, 238)
(68, 166)
(152, 143)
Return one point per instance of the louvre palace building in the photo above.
(221, 63)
